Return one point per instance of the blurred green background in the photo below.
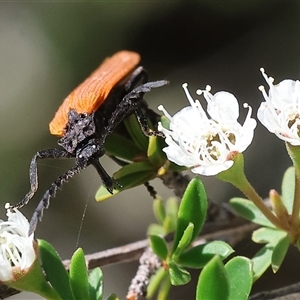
(48, 48)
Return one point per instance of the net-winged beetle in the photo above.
(87, 116)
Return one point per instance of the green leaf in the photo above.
(119, 146)
(159, 210)
(156, 229)
(267, 235)
(96, 284)
(192, 209)
(55, 270)
(279, 253)
(239, 271)
(178, 276)
(288, 189)
(200, 255)
(136, 167)
(171, 214)
(164, 289)
(169, 225)
(160, 276)
(213, 283)
(249, 211)
(184, 241)
(155, 154)
(134, 129)
(79, 276)
(262, 260)
(172, 206)
(125, 182)
(159, 246)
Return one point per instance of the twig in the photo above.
(291, 292)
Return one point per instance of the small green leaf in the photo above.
(55, 270)
(164, 289)
(184, 241)
(134, 129)
(79, 276)
(200, 255)
(249, 211)
(262, 260)
(213, 283)
(239, 271)
(178, 276)
(169, 225)
(279, 253)
(192, 209)
(156, 229)
(159, 210)
(267, 235)
(125, 182)
(136, 167)
(288, 189)
(171, 215)
(160, 276)
(119, 146)
(155, 154)
(96, 284)
(172, 206)
(159, 246)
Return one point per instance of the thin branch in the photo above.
(133, 251)
(126, 253)
(291, 292)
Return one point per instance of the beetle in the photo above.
(87, 116)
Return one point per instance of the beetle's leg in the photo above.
(133, 97)
(33, 176)
(150, 189)
(108, 181)
(129, 105)
(50, 193)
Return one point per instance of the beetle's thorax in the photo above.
(80, 138)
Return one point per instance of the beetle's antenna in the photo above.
(50, 193)
(33, 177)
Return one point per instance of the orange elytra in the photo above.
(90, 94)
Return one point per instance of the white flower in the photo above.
(280, 114)
(203, 143)
(17, 253)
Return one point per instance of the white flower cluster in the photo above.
(16, 247)
(203, 141)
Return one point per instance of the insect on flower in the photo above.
(88, 116)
